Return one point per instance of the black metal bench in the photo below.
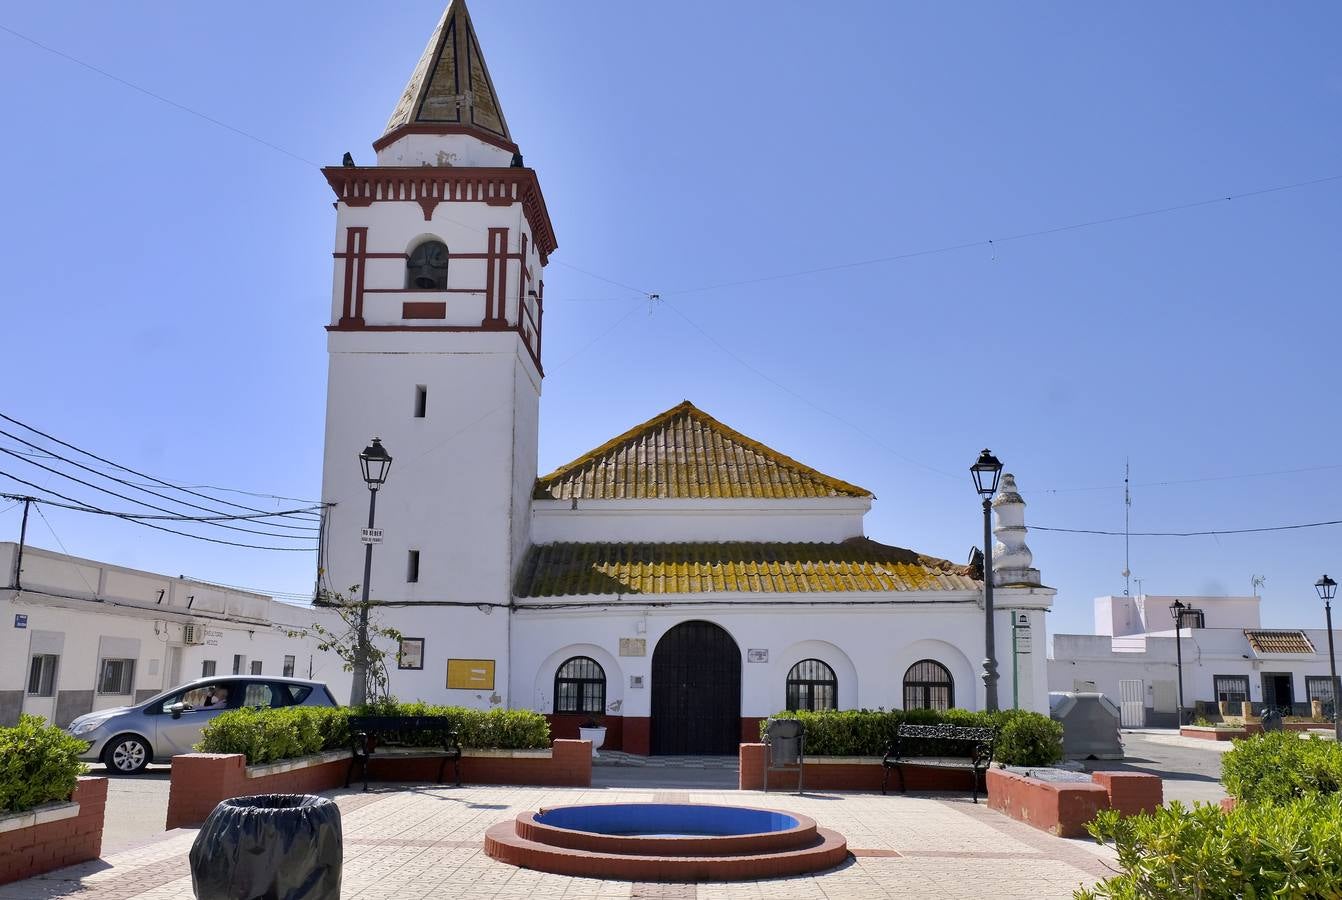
(940, 747)
(413, 737)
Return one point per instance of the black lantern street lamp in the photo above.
(375, 463)
(1327, 589)
(987, 471)
(1177, 610)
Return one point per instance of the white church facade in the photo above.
(681, 580)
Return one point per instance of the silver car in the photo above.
(128, 738)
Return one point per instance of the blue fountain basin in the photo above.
(667, 820)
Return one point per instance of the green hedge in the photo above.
(1256, 851)
(39, 763)
(1024, 738)
(267, 735)
(1280, 767)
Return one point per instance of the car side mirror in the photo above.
(177, 709)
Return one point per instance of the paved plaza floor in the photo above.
(406, 842)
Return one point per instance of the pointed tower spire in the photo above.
(450, 91)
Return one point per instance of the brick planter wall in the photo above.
(1215, 734)
(1131, 792)
(201, 780)
(58, 842)
(1065, 808)
(839, 773)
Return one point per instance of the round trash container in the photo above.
(269, 847)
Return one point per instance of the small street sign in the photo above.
(20, 620)
(371, 535)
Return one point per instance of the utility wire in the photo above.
(117, 465)
(153, 493)
(1188, 533)
(120, 514)
(291, 537)
(159, 97)
(198, 537)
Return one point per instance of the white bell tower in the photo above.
(435, 347)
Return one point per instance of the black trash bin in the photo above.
(269, 847)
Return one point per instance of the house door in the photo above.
(1132, 703)
(696, 691)
(1277, 691)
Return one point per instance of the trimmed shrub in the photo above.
(1280, 767)
(1256, 850)
(267, 735)
(39, 763)
(1023, 739)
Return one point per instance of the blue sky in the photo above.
(168, 279)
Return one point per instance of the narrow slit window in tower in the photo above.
(421, 400)
(412, 567)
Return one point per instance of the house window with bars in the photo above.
(1231, 688)
(1319, 687)
(811, 685)
(42, 675)
(580, 687)
(928, 685)
(115, 676)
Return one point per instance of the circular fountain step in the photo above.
(666, 842)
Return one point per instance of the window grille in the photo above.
(1319, 687)
(580, 687)
(928, 685)
(116, 676)
(42, 675)
(289, 666)
(1231, 688)
(811, 685)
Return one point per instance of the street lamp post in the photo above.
(375, 463)
(987, 471)
(1177, 610)
(1327, 589)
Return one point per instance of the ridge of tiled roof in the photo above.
(754, 567)
(1278, 641)
(686, 453)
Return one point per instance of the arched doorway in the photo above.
(696, 691)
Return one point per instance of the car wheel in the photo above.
(126, 755)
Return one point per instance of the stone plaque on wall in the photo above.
(633, 646)
(757, 656)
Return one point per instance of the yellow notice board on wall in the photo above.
(471, 674)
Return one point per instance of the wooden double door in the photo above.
(696, 692)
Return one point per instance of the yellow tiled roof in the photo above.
(857, 564)
(1279, 641)
(686, 453)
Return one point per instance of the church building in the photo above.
(681, 581)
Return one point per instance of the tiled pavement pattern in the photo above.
(413, 842)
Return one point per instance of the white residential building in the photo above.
(1227, 656)
(682, 579)
(80, 636)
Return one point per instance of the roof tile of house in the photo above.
(1279, 641)
(686, 453)
(858, 564)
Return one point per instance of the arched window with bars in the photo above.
(928, 685)
(580, 687)
(811, 685)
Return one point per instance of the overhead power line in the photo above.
(123, 468)
(1188, 533)
(198, 537)
(217, 517)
